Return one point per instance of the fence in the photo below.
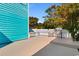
(50, 32)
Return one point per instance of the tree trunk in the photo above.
(73, 36)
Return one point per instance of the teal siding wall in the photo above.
(13, 21)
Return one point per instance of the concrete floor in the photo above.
(39, 46)
(57, 50)
(26, 47)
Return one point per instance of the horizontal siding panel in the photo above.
(13, 21)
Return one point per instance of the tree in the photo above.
(40, 26)
(69, 16)
(33, 22)
(48, 24)
(72, 24)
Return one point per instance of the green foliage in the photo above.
(48, 24)
(33, 22)
(40, 26)
(66, 16)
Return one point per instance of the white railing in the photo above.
(50, 32)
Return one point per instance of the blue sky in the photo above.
(38, 10)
